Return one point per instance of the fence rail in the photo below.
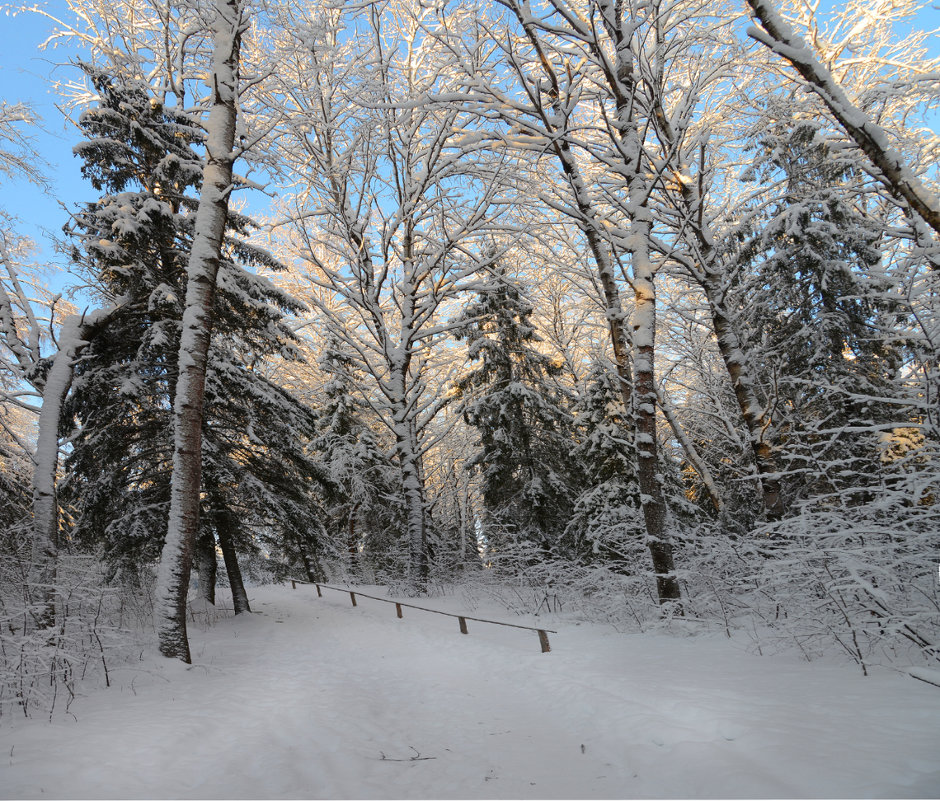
(461, 619)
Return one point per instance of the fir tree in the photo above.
(607, 523)
(813, 294)
(361, 488)
(133, 243)
(525, 428)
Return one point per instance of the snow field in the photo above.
(312, 698)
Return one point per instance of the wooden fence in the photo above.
(461, 619)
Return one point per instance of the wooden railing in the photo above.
(461, 619)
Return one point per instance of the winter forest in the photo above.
(630, 308)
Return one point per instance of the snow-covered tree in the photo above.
(361, 490)
(528, 481)
(607, 522)
(814, 293)
(397, 200)
(134, 242)
(890, 166)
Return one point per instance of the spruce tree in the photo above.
(607, 523)
(522, 417)
(133, 244)
(813, 293)
(361, 487)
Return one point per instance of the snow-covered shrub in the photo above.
(41, 668)
(527, 581)
(852, 573)
(862, 576)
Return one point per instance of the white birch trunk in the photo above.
(623, 86)
(183, 525)
(644, 348)
(55, 389)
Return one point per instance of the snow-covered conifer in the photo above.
(607, 521)
(525, 425)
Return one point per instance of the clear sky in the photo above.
(25, 74)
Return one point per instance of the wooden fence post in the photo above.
(293, 584)
(461, 619)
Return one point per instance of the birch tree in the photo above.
(176, 560)
(890, 166)
(400, 202)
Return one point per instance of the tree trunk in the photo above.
(624, 86)
(651, 484)
(409, 454)
(225, 527)
(757, 422)
(642, 399)
(206, 566)
(183, 525)
(419, 569)
(44, 567)
(55, 389)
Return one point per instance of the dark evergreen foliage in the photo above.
(529, 484)
(607, 523)
(14, 487)
(362, 485)
(132, 247)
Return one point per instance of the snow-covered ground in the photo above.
(312, 698)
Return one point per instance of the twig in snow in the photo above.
(416, 758)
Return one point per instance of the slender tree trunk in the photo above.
(207, 566)
(225, 527)
(55, 389)
(691, 452)
(44, 567)
(183, 526)
(642, 399)
(352, 542)
(755, 419)
(409, 453)
(708, 275)
(311, 564)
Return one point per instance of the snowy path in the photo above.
(303, 699)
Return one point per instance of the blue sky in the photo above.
(24, 75)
